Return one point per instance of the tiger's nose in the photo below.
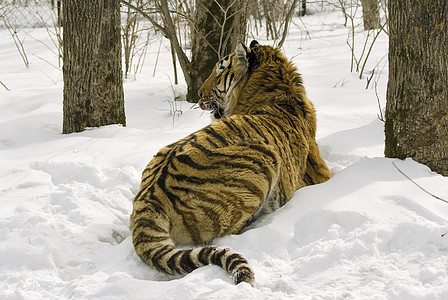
(200, 94)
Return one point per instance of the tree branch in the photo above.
(169, 32)
(4, 86)
(380, 115)
(287, 20)
(432, 195)
(172, 36)
(146, 16)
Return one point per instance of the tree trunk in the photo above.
(371, 14)
(417, 94)
(219, 27)
(93, 83)
(287, 20)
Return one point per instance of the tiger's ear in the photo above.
(254, 44)
(242, 54)
(242, 51)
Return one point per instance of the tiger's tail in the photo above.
(154, 245)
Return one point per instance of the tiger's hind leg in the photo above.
(203, 193)
(316, 169)
(224, 188)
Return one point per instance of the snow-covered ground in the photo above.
(65, 200)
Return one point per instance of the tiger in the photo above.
(259, 150)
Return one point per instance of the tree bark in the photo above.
(220, 25)
(371, 14)
(303, 9)
(93, 83)
(417, 94)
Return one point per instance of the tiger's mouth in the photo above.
(204, 105)
(213, 106)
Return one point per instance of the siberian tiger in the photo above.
(249, 162)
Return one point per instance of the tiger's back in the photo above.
(218, 179)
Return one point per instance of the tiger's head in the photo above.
(218, 90)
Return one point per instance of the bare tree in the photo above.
(216, 28)
(371, 14)
(93, 83)
(135, 38)
(278, 15)
(129, 37)
(303, 8)
(417, 94)
(287, 20)
(219, 26)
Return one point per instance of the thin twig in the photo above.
(420, 187)
(17, 41)
(54, 82)
(43, 59)
(4, 86)
(287, 21)
(173, 104)
(380, 115)
(146, 16)
(157, 58)
(370, 50)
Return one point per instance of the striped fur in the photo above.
(249, 162)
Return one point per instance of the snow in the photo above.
(367, 233)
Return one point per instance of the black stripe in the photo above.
(230, 81)
(232, 157)
(220, 92)
(290, 118)
(234, 265)
(141, 211)
(217, 256)
(213, 133)
(147, 223)
(311, 161)
(255, 128)
(246, 132)
(276, 136)
(211, 143)
(262, 149)
(186, 159)
(152, 170)
(230, 124)
(241, 183)
(141, 193)
(232, 259)
(143, 237)
(153, 204)
(204, 255)
(157, 258)
(191, 179)
(308, 179)
(173, 264)
(224, 75)
(211, 212)
(213, 196)
(229, 66)
(185, 262)
(162, 184)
